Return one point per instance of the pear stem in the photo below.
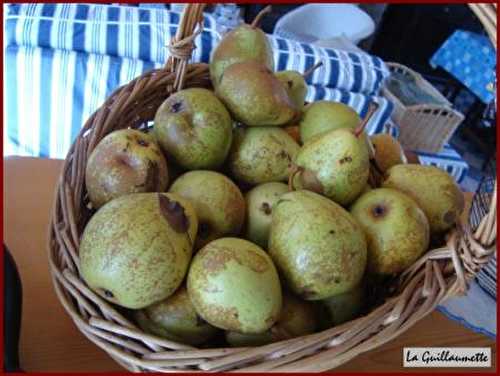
(295, 170)
(371, 110)
(308, 72)
(258, 18)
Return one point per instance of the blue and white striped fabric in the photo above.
(119, 31)
(349, 71)
(63, 60)
(140, 33)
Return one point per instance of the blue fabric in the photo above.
(73, 85)
(143, 33)
(353, 72)
(123, 31)
(63, 60)
(471, 59)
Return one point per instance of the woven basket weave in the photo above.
(423, 127)
(439, 274)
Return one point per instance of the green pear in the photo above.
(396, 229)
(297, 318)
(344, 307)
(244, 43)
(125, 161)
(254, 96)
(195, 128)
(175, 319)
(260, 201)
(388, 151)
(323, 116)
(317, 246)
(136, 249)
(295, 85)
(434, 190)
(234, 285)
(262, 155)
(335, 165)
(218, 202)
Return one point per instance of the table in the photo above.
(50, 342)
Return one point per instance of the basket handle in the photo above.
(182, 44)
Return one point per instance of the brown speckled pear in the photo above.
(397, 230)
(262, 155)
(243, 43)
(234, 285)
(434, 190)
(295, 85)
(254, 96)
(125, 161)
(335, 165)
(136, 249)
(318, 247)
(260, 201)
(175, 318)
(297, 318)
(219, 204)
(388, 151)
(195, 128)
(322, 116)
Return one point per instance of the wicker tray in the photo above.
(438, 274)
(423, 127)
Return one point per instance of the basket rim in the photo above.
(421, 82)
(427, 283)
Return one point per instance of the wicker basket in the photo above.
(423, 127)
(438, 274)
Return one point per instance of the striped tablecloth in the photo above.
(63, 60)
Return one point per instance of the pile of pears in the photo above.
(197, 236)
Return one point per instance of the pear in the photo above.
(125, 161)
(297, 318)
(396, 229)
(322, 116)
(262, 155)
(336, 164)
(136, 249)
(260, 201)
(388, 151)
(344, 307)
(175, 319)
(317, 246)
(244, 43)
(195, 128)
(295, 84)
(254, 96)
(434, 190)
(218, 202)
(234, 285)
